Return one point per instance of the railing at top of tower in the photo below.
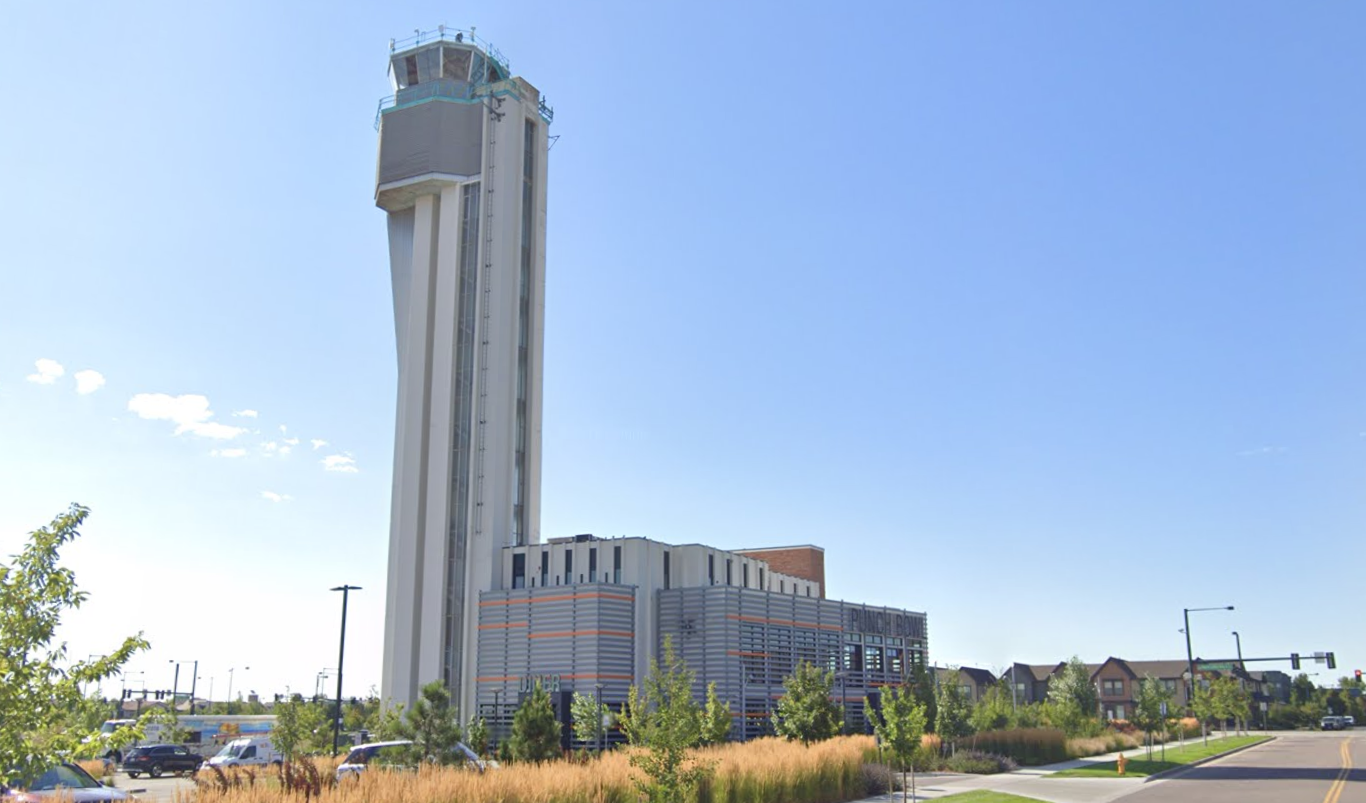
(444, 34)
(449, 91)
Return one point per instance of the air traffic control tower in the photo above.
(462, 178)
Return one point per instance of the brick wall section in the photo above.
(806, 562)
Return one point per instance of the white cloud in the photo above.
(274, 497)
(244, 413)
(48, 371)
(319, 443)
(340, 462)
(1263, 450)
(189, 412)
(229, 452)
(88, 381)
(284, 450)
(284, 430)
(292, 441)
(270, 446)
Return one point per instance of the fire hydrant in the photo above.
(1121, 762)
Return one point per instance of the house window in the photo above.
(1169, 684)
(761, 579)
(782, 586)
(744, 574)
(1112, 688)
(666, 569)
(568, 567)
(593, 565)
(728, 579)
(616, 564)
(545, 567)
(519, 570)
(711, 569)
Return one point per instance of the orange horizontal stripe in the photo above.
(787, 622)
(569, 633)
(558, 598)
(499, 627)
(495, 679)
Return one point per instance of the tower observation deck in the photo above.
(461, 177)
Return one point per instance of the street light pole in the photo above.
(341, 654)
(598, 716)
(1239, 641)
(175, 684)
(1190, 659)
(194, 684)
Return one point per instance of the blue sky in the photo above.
(1043, 318)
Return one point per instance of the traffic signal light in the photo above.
(1294, 660)
(1358, 676)
(1332, 662)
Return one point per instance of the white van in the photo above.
(249, 751)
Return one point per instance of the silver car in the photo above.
(66, 782)
(396, 755)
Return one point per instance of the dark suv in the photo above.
(160, 758)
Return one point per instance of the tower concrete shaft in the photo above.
(462, 176)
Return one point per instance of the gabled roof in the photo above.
(1118, 663)
(982, 677)
(1159, 670)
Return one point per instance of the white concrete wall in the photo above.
(424, 263)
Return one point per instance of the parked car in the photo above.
(396, 755)
(247, 751)
(1332, 723)
(1349, 721)
(160, 758)
(67, 782)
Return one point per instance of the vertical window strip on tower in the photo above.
(457, 540)
(524, 329)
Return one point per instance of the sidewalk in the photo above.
(1031, 782)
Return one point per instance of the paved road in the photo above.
(159, 790)
(1302, 767)
(1296, 768)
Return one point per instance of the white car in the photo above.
(66, 782)
(395, 755)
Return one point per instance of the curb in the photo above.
(1184, 767)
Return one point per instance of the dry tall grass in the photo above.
(761, 771)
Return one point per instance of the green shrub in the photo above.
(1027, 746)
(976, 762)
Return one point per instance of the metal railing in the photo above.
(444, 34)
(457, 91)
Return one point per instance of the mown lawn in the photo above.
(1176, 757)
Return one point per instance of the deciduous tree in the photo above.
(899, 727)
(588, 715)
(38, 684)
(716, 718)
(805, 712)
(1149, 708)
(1073, 699)
(953, 721)
(663, 722)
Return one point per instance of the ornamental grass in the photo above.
(760, 771)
